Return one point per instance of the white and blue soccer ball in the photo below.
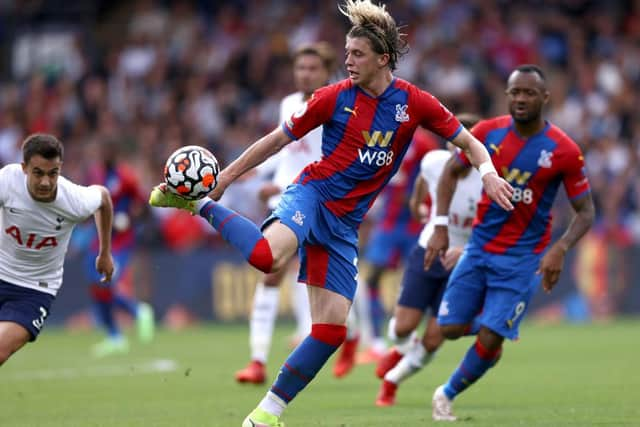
(191, 172)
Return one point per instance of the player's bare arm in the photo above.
(553, 261)
(439, 241)
(104, 218)
(417, 207)
(498, 190)
(257, 153)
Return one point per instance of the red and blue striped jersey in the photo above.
(125, 190)
(535, 167)
(364, 140)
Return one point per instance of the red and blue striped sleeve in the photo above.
(314, 112)
(436, 117)
(575, 178)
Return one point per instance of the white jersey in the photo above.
(288, 163)
(463, 205)
(35, 235)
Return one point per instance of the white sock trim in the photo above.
(263, 318)
(272, 404)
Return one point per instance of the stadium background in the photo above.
(156, 75)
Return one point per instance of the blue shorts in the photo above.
(24, 306)
(495, 287)
(327, 246)
(387, 247)
(422, 289)
(121, 261)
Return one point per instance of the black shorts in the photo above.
(24, 306)
(422, 289)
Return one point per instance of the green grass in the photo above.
(568, 375)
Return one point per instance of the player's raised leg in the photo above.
(265, 254)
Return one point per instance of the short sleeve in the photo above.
(4, 182)
(436, 117)
(575, 179)
(313, 113)
(82, 201)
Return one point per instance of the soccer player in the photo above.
(368, 121)
(507, 256)
(394, 234)
(422, 289)
(39, 209)
(128, 204)
(313, 65)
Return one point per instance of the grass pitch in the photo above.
(567, 375)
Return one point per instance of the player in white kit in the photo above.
(422, 290)
(38, 211)
(312, 67)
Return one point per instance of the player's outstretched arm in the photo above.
(553, 261)
(257, 153)
(439, 240)
(104, 218)
(498, 190)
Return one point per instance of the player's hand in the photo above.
(498, 190)
(451, 257)
(221, 186)
(437, 245)
(551, 266)
(105, 266)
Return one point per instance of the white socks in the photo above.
(300, 308)
(402, 344)
(413, 361)
(352, 324)
(360, 316)
(272, 404)
(263, 318)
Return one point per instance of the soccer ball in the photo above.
(191, 172)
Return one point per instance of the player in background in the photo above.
(394, 233)
(368, 122)
(313, 65)
(507, 257)
(421, 289)
(129, 204)
(39, 209)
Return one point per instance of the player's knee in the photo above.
(452, 332)
(404, 327)
(432, 340)
(5, 353)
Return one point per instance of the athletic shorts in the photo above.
(121, 261)
(387, 247)
(327, 246)
(420, 288)
(499, 285)
(24, 306)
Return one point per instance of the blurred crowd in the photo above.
(152, 76)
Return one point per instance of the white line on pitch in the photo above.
(151, 367)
